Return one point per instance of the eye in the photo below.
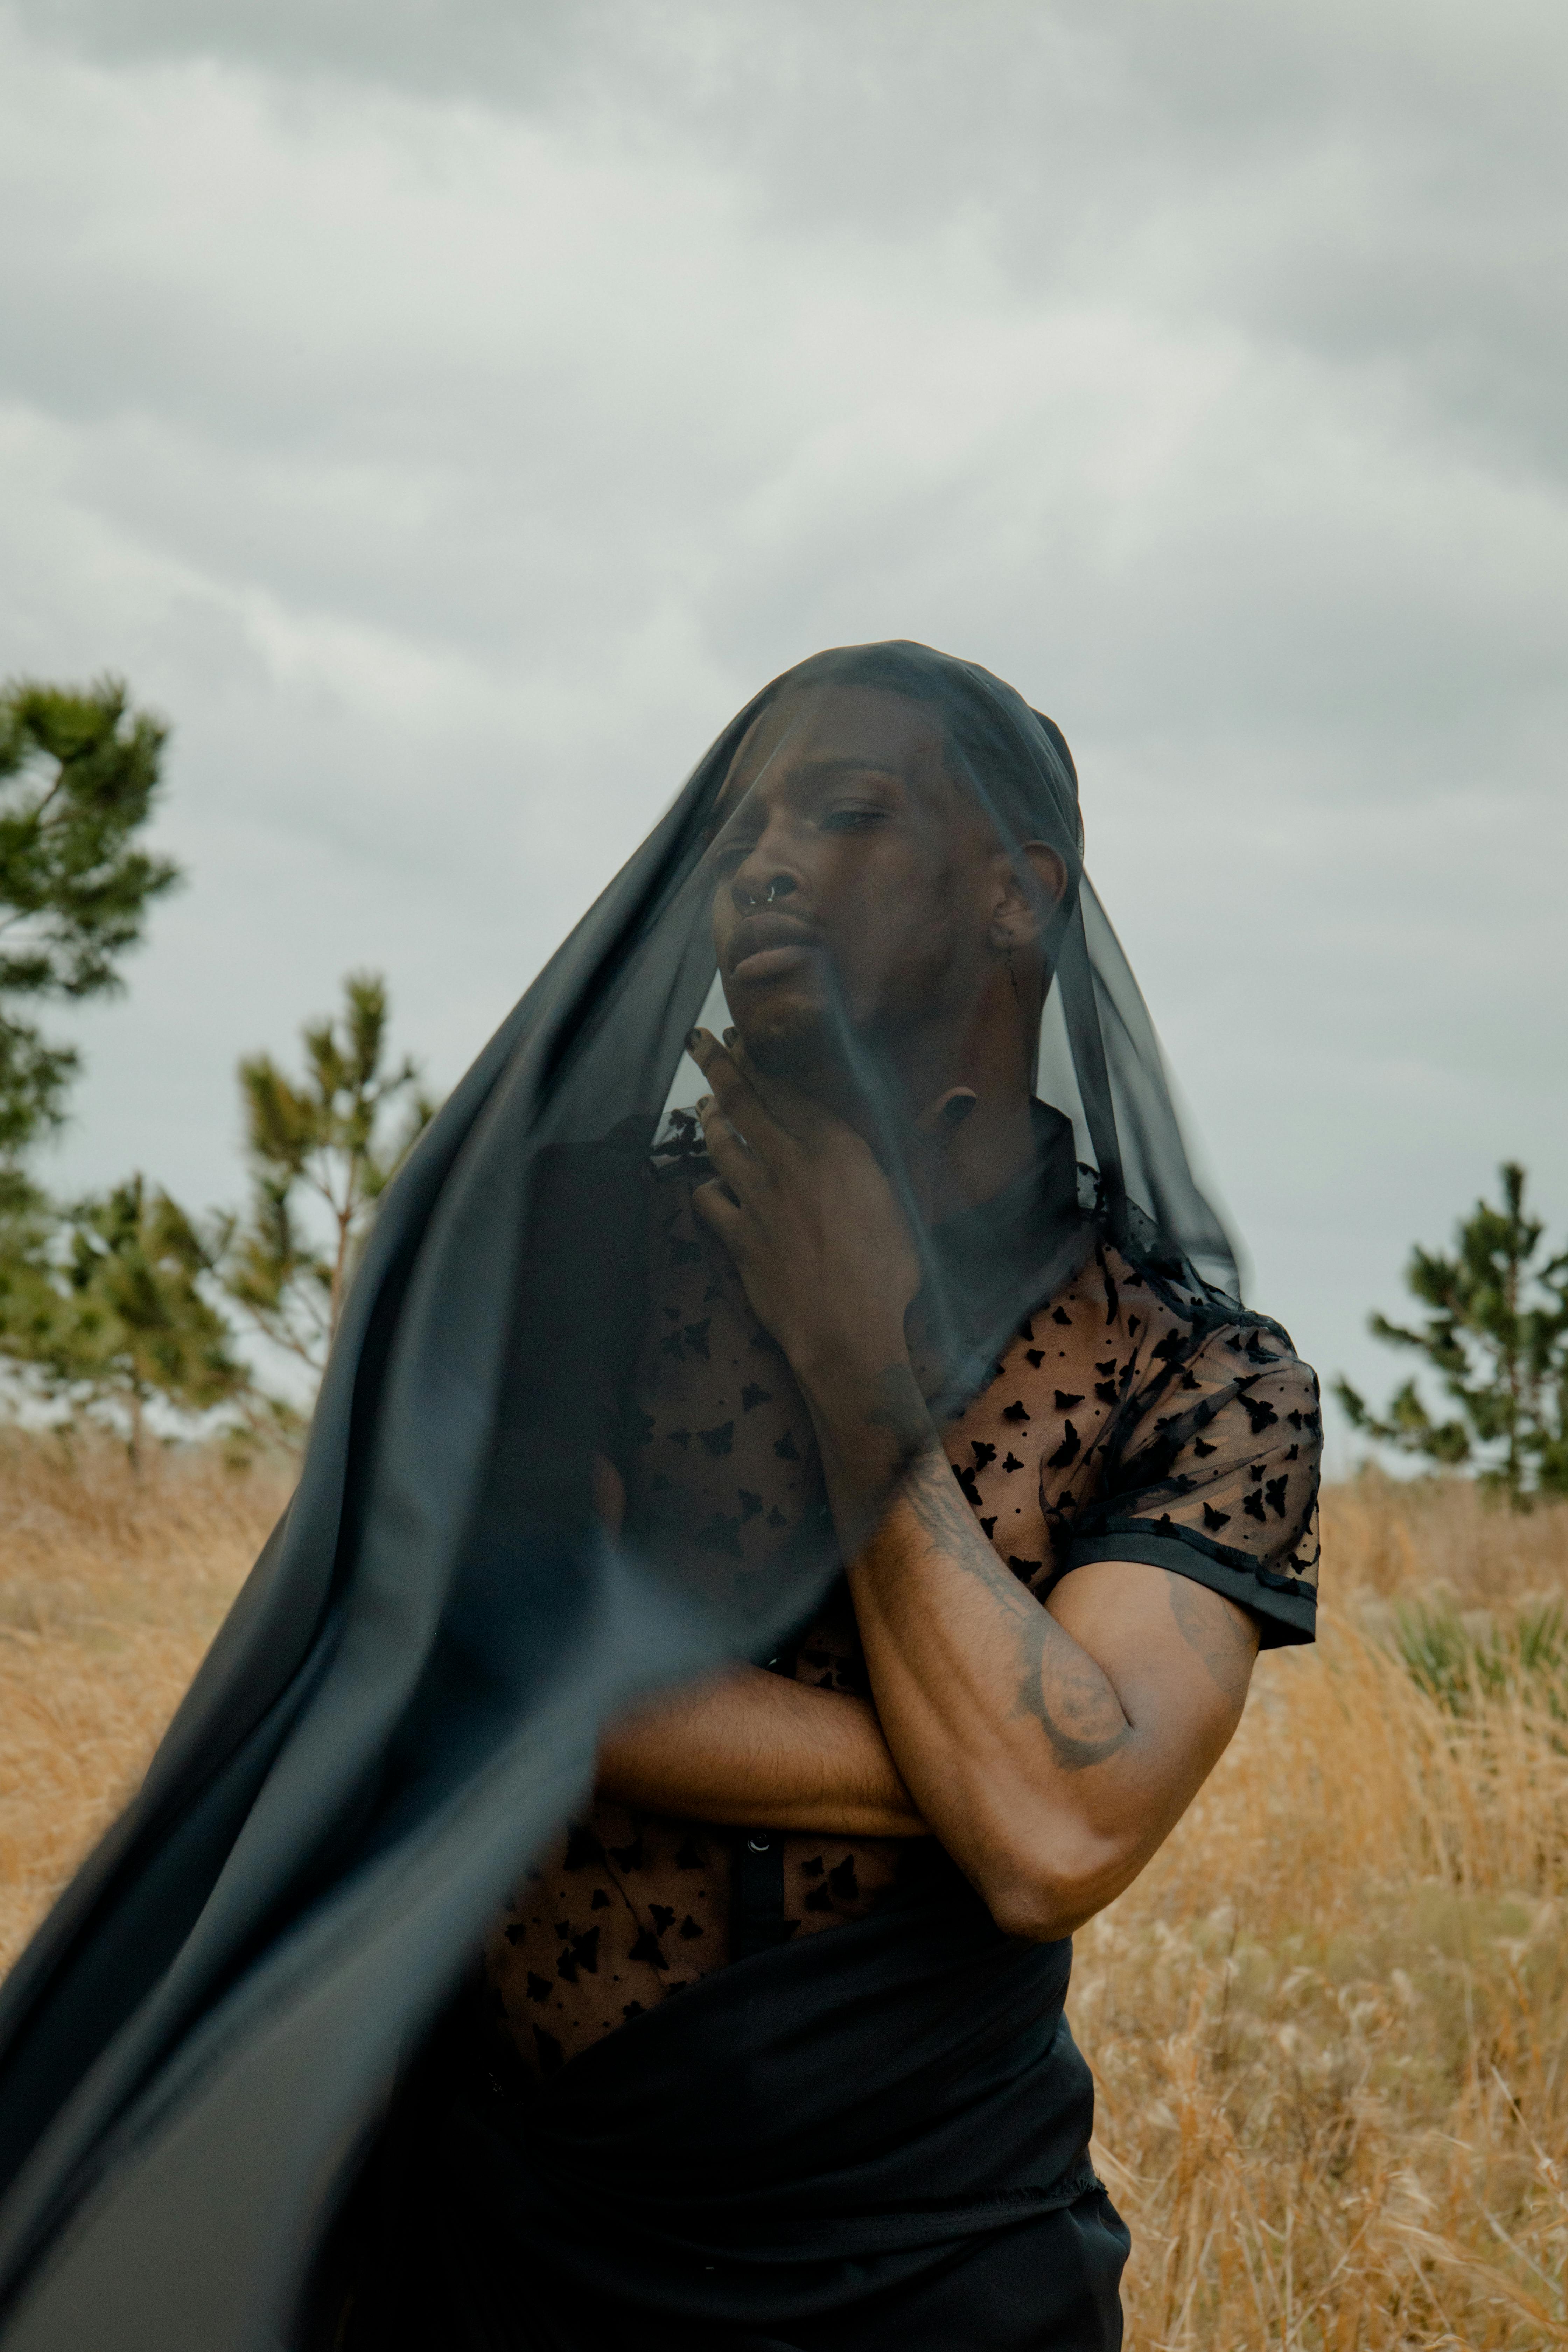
(852, 817)
(730, 852)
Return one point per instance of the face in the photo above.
(857, 886)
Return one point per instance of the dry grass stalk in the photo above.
(112, 1586)
(1327, 2024)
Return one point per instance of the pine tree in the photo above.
(79, 776)
(1496, 1335)
(28, 1299)
(320, 1156)
(110, 1312)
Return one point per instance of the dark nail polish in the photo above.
(958, 1109)
(693, 1039)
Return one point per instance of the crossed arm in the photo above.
(1051, 1749)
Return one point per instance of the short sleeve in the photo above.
(1213, 1474)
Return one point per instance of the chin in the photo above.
(788, 1037)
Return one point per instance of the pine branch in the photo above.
(1496, 1339)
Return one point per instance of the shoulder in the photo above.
(1207, 1460)
(1169, 1424)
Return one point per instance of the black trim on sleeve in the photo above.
(1286, 1614)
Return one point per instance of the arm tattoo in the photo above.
(1086, 1724)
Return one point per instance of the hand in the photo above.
(813, 1225)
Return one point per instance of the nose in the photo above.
(771, 868)
(748, 898)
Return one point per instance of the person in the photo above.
(1039, 1643)
(960, 1502)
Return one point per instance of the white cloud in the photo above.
(448, 415)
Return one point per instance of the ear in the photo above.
(1026, 884)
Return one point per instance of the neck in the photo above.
(993, 1146)
(989, 1050)
(955, 1166)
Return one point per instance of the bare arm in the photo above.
(751, 1747)
(1052, 1750)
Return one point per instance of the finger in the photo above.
(768, 1091)
(730, 1151)
(719, 1214)
(794, 1112)
(739, 1097)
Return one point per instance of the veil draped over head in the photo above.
(401, 1708)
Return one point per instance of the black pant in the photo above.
(875, 2140)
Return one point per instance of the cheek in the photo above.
(899, 932)
(724, 918)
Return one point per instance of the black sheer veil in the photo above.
(402, 1707)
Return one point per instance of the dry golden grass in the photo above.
(1327, 2024)
(112, 1586)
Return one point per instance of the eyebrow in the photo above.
(836, 761)
(825, 763)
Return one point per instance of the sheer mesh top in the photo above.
(1130, 1415)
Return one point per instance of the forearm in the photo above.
(1007, 1732)
(1015, 1742)
(752, 1749)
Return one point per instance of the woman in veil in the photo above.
(850, 1502)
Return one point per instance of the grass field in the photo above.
(1329, 2023)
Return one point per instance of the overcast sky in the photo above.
(448, 412)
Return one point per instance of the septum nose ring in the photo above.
(769, 895)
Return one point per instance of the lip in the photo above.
(763, 947)
(767, 963)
